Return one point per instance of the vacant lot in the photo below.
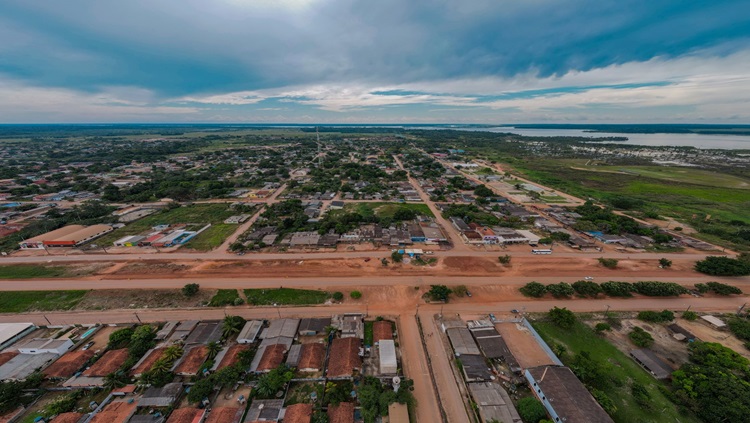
(23, 301)
(196, 214)
(224, 297)
(387, 209)
(106, 299)
(285, 296)
(622, 370)
(32, 271)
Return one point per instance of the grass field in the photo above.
(285, 296)
(622, 369)
(23, 301)
(199, 214)
(32, 271)
(678, 174)
(224, 297)
(386, 209)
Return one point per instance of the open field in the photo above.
(620, 368)
(31, 271)
(676, 174)
(285, 296)
(198, 214)
(224, 297)
(387, 209)
(23, 301)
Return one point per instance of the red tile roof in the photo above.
(298, 413)
(7, 356)
(272, 357)
(311, 356)
(108, 363)
(115, 412)
(148, 362)
(71, 417)
(344, 357)
(68, 364)
(224, 415)
(192, 361)
(381, 330)
(186, 415)
(342, 413)
(232, 356)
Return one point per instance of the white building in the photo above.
(388, 363)
(12, 332)
(45, 345)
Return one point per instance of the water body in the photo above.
(703, 141)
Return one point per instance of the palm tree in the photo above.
(114, 380)
(232, 325)
(213, 350)
(172, 353)
(161, 366)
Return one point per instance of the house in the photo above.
(67, 365)
(164, 396)
(192, 361)
(564, 396)
(292, 357)
(462, 341)
(474, 368)
(67, 236)
(225, 415)
(108, 363)
(344, 357)
(459, 224)
(204, 333)
(12, 332)
(229, 356)
(387, 357)
(187, 415)
(147, 361)
(472, 237)
(311, 357)
(313, 326)
(350, 325)
(45, 345)
(298, 413)
(250, 332)
(20, 366)
(488, 235)
(117, 411)
(493, 346)
(268, 358)
(286, 328)
(341, 413)
(336, 205)
(268, 410)
(493, 402)
(381, 330)
(652, 363)
(714, 321)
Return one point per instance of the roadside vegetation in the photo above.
(32, 271)
(225, 297)
(589, 289)
(285, 296)
(25, 301)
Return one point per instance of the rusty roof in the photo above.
(232, 356)
(186, 415)
(381, 330)
(272, 357)
(312, 356)
(68, 364)
(7, 356)
(148, 361)
(115, 412)
(344, 357)
(224, 415)
(108, 363)
(192, 361)
(298, 413)
(342, 413)
(71, 417)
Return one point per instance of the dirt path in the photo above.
(241, 229)
(415, 366)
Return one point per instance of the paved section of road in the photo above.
(458, 243)
(206, 281)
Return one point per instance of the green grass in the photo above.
(383, 209)
(199, 214)
(224, 297)
(369, 334)
(285, 296)
(622, 369)
(681, 174)
(23, 301)
(32, 271)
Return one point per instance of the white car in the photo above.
(588, 278)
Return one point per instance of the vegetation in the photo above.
(656, 317)
(272, 382)
(689, 315)
(562, 317)
(504, 260)
(534, 289)
(25, 301)
(224, 297)
(640, 337)
(531, 410)
(587, 289)
(665, 263)
(714, 383)
(338, 296)
(601, 366)
(190, 290)
(355, 295)
(601, 327)
(12, 392)
(740, 327)
(285, 296)
(397, 257)
(618, 289)
(723, 289)
(609, 263)
(231, 325)
(32, 271)
(374, 398)
(659, 289)
(561, 290)
(439, 293)
(460, 291)
(723, 266)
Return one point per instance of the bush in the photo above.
(562, 317)
(397, 257)
(439, 293)
(560, 290)
(504, 259)
(723, 266)
(740, 328)
(534, 289)
(656, 317)
(617, 289)
(601, 327)
(587, 289)
(609, 263)
(190, 289)
(665, 263)
(338, 296)
(355, 295)
(702, 288)
(531, 410)
(659, 289)
(723, 289)
(238, 301)
(641, 395)
(460, 291)
(689, 315)
(640, 337)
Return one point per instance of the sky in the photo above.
(383, 61)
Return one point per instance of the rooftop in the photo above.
(298, 413)
(115, 412)
(381, 330)
(651, 362)
(570, 400)
(147, 361)
(342, 413)
(70, 417)
(160, 397)
(344, 357)
(224, 415)
(186, 415)
(312, 356)
(192, 361)
(271, 358)
(67, 365)
(108, 363)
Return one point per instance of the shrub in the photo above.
(355, 295)
(504, 259)
(640, 337)
(723, 266)
(702, 288)
(531, 410)
(609, 263)
(656, 317)
(641, 395)
(723, 289)
(689, 315)
(238, 301)
(338, 296)
(560, 290)
(617, 289)
(460, 291)
(740, 328)
(601, 327)
(534, 289)
(439, 293)
(665, 263)
(562, 317)
(659, 289)
(587, 289)
(397, 257)
(190, 289)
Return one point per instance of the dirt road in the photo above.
(415, 365)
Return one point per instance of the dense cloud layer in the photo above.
(388, 60)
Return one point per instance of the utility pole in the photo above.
(45, 318)
(136, 316)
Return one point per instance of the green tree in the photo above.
(190, 290)
(562, 317)
(439, 293)
(533, 289)
(397, 257)
(338, 296)
(587, 289)
(640, 337)
(231, 325)
(723, 266)
(609, 263)
(560, 290)
(617, 289)
(273, 381)
(213, 350)
(689, 315)
(601, 327)
(355, 295)
(119, 338)
(531, 410)
(665, 263)
(723, 289)
(115, 380)
(460, 291)
(504, 260)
